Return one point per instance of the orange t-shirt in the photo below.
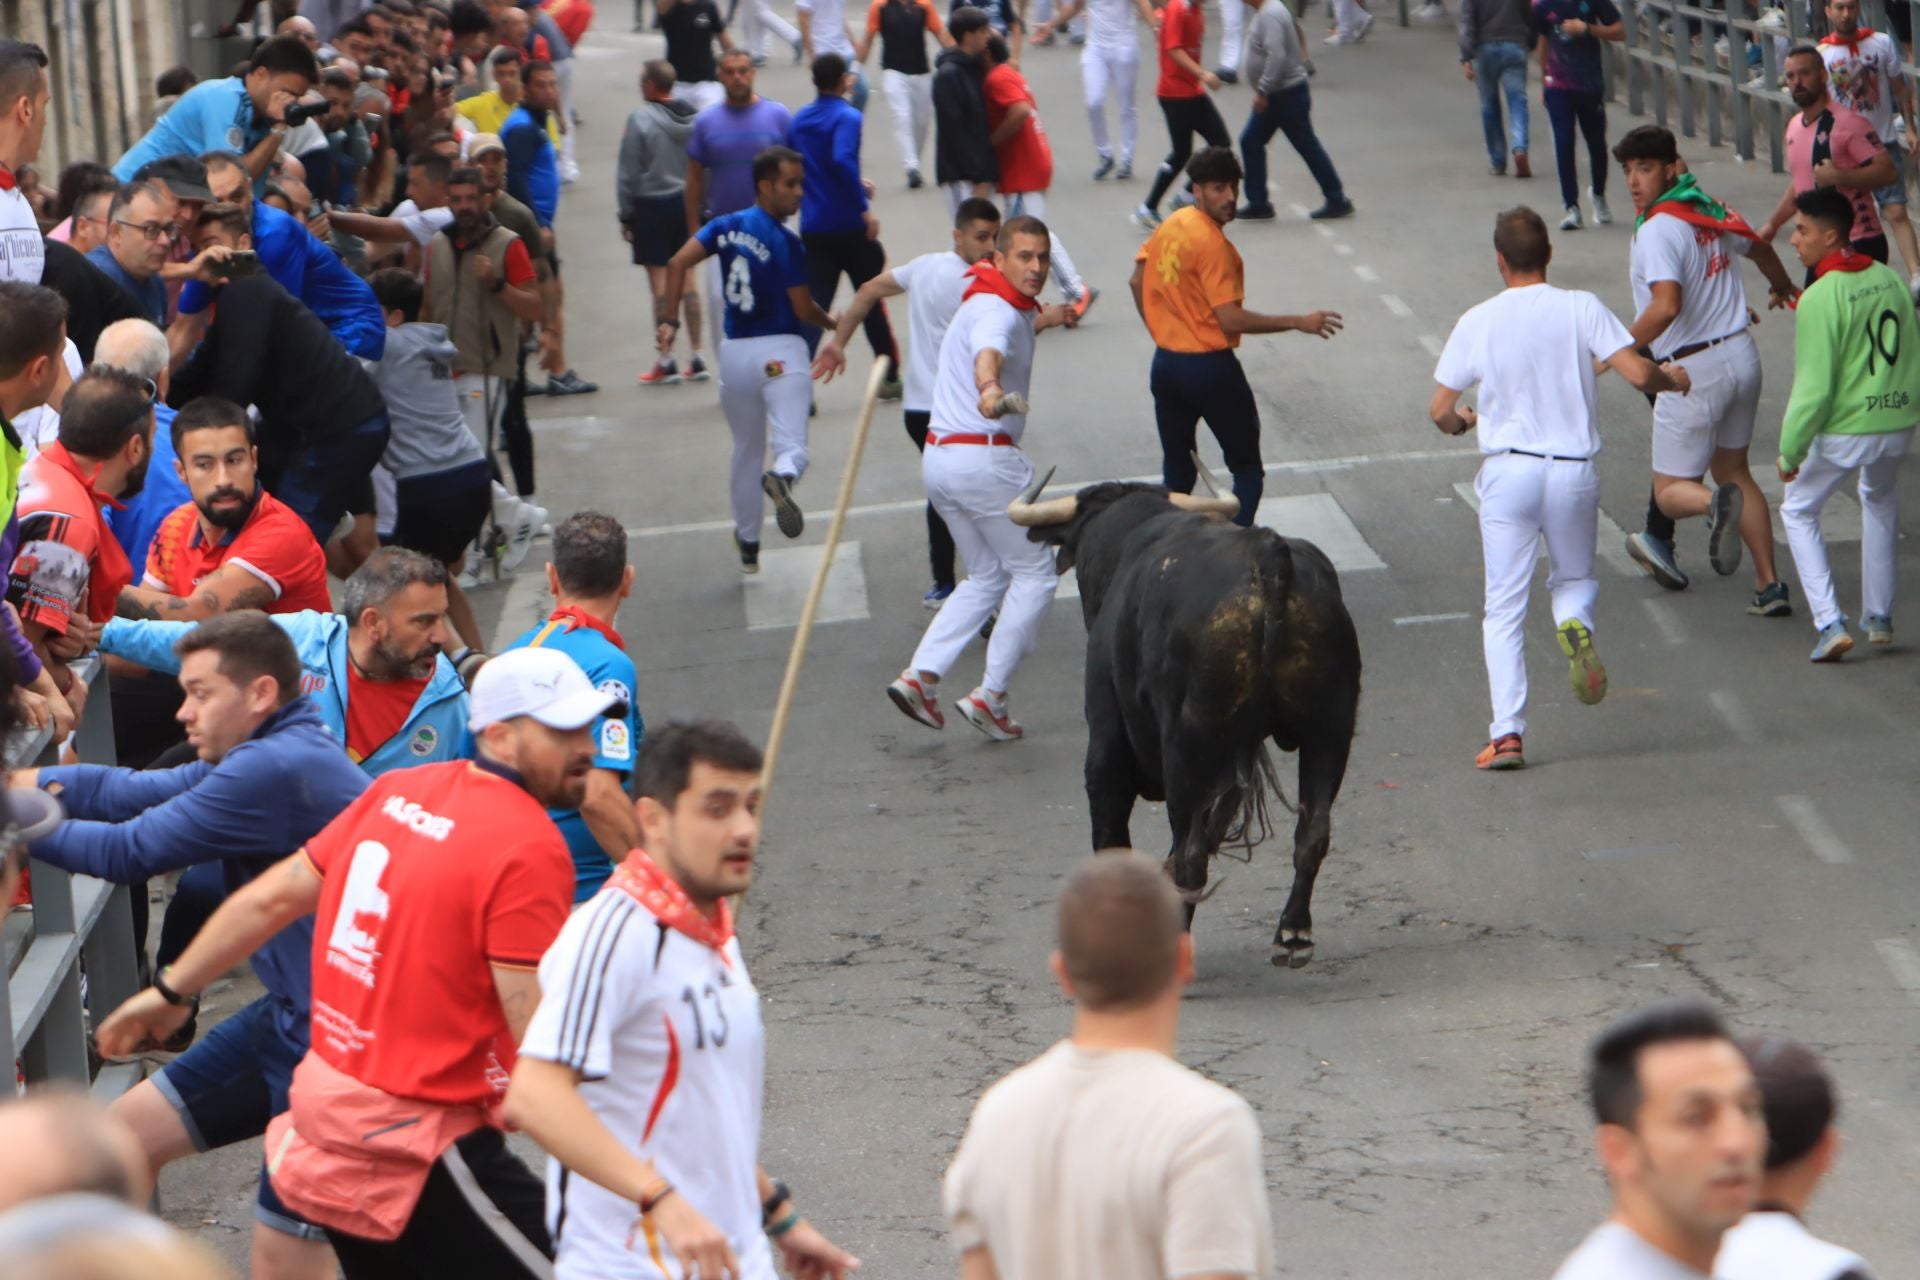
(1191, 268)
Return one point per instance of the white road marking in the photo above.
(1432, 344)
(1398, 307)
(1665, 621)
(1344, 250)
(776, 595)
(1422, 619)
(1814, 829)
(1366, 273)
(1326, 233)
(1735, 713)
(1900, 957)
(1612, 542)
(1300, 211)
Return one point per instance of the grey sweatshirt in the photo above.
(1485, 21)
(653, 154)
(415, 374)
(1274, 59)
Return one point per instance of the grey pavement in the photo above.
(1731, 823)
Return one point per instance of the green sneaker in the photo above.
(1584, 667)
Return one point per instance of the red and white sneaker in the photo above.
(663, 374)
(916, 700)
(997, 725)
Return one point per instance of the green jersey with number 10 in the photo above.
(1856, 365)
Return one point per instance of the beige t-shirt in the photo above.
(1111, 1165)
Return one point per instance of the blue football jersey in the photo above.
(759, 261)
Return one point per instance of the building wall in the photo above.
(103, 56)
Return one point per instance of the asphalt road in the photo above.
(1731, 823)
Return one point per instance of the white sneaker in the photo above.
(1430, 13)
(1601, 214)
(471, 579)
(1572, 221)
(916, 700)
(997, 725)
(520, 535)
(1145, 218)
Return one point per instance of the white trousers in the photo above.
(970, 486)
(956, 192)
(758, 20)
(1034, 205)
(766, 387)
(1349, 16)
(1233, 25)
(910, 102)
(563, 75)
(1103, 69)
(716, 305)
(701, 94)
(483, 399)
(1522, 499)
(1877, 459)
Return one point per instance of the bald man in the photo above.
(55, 1142)
(1105, 1159)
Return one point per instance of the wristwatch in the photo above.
(171, 996)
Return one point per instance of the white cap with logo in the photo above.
(542, 683)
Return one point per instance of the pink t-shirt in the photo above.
(1851, 143)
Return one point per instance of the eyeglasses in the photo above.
(152, 230)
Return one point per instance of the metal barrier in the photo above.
(77, 924)
(1706, 65)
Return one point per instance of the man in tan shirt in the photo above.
(1104, 1159)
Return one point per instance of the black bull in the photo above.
(1204, 641)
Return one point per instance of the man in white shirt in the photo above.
(1534, 352)
(1104, 1158)
(641, 1070)
(823, 29)
(1691, 305)
(1110, 61)
(24, 108)
(1772, 1242)
(1864, 73)
(973, 468)
(1680, 1134)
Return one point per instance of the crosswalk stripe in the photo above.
(776, 595)
(1612, 546)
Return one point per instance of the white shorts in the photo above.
(1718, 414)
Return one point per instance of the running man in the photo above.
(764, 382)
(641, 1071)
(905, 73)
(1692, 306)
(1182, 91)
(1856, 398)
(1109, 63)
(1865, 76)
(973, 468)
(726, 140)
(1532, 350)
(1830, 146)
(1026, 162)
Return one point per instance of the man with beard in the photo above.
(70, 568)
(1830, 146)
(375, 671)
(1681, 1135)
(268, 776)
(434, 896)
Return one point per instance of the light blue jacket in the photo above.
(434, 729)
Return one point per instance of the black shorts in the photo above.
(659, 229)
(440, 514)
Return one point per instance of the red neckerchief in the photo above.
(1694, 215)
(7, 180)
(575, 616)
(640, 878)
(1852, 42)
(987, 279)
(111, 570)
(1841, 260)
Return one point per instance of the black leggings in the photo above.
(939, 541)
(860, 258)
(1186, 117)
(515, 434)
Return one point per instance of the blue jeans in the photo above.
(1289, 111)
(1500, 66)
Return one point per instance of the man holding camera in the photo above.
(246, 114)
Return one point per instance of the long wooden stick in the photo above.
(798, 656)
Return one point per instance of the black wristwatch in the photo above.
(779, 1197)
(171, 996)
(499, 283)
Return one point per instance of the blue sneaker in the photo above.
(1879, 628)
(1771, 602)
(1655, 555)
(1106, 167)
(937, 595)
(1833, 643)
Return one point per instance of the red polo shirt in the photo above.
(274, 545)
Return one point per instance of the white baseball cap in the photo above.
(543, 683)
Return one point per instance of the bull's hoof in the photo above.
(1293, 950)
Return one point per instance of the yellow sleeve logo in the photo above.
(1168, 265)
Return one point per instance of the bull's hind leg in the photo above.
(1323, 765)
(1112, 785)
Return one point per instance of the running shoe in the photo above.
(1226, 76)
(1106, 167)
(937, 595)
(1125, 172)
(1571, 222)
(1879, 628)
(1366, 28)
(570, 384)
(1601, 214)
(1834, 642)
(1145, 218)
(986, 628)
(891, 389)
(1521, 169)
(997, 725)
(1256, 213)
(916, 701)
(749, 554)
(697, 369)
(1723, 529)
(665, 373)
(1771, 602)
(1084, 303)
(1341, 208)
(914, 180)
(786, 512)
(471, 579)
(1502, 754)
(526, 526)
(1589, 677)
(1655, 555)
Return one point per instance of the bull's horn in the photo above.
(1029, 511)
(1227, 506)
(1205, 473)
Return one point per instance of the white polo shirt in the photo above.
(1531, 351)
(23, 252)
(934, 283)
(983, 323)
(1778, 1246)
(666, 1034)
(829, 27)
(1614, 1252)
(1705, 264)
(1110, 27)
